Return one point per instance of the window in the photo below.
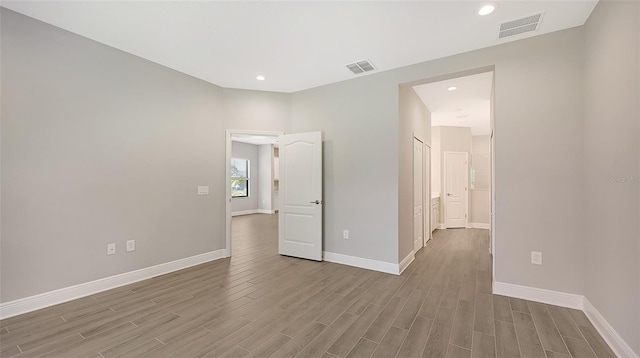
(239, 178)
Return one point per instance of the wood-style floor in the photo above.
(260, 304)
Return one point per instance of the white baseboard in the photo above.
(617, 344)
(368, 264)
(556, 298)
(469, 226)
(32, 303)
(406, 262)
(479, 226)
(253, 211)
(244, 212)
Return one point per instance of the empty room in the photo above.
(320, 179)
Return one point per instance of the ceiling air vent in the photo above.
(519, 26)
(360, 67)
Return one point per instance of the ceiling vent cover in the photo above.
(519, 26)
(361, 67)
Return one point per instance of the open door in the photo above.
(418, 194)
(427, 194)
(300, 218)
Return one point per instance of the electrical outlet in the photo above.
(111, 249)
(345, 234)
(536, 258)
(131, 245)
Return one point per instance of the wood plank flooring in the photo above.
(260, 304)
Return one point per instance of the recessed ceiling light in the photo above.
(260, 78)
(486, 9)
(452, 88)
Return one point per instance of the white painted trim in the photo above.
(244, 212)
(617, 344)
(425, 187)
(406, 262)
(427, 195)
(227, 170)
(252, 211)
(441, 226)
(570, 300)
(479, 226)
(36, 302)
(368, 264)
(556, 298)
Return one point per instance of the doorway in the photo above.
(421, 193)
(252, 181)
(292, 166)
(456, 170)
(462, 193)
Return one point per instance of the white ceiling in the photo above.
(468, 106)
(295, 44)
(254, 139)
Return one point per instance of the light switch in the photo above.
(203, 190)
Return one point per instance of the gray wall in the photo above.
(414, 120)
(256, 110)
(359, 118)
(612, 168)
(454, 139)
(250, 152)
(436, 166)
(480, 194)
(265, 176)
(99, 146)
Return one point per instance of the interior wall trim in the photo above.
(51, 298)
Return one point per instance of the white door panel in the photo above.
(300, 185)
(455, 184)
(418, 194)
(297, 228)
(300, 218)
(427, 195)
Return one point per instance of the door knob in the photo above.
(317, 202)
(449, 194)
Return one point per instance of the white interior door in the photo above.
(418, 194)
(300, 218)
(427, 195)
(455, 184)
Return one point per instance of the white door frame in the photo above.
(417, 137)
(227, 174)
(427, 197)
(492, 218)
(444, 186)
